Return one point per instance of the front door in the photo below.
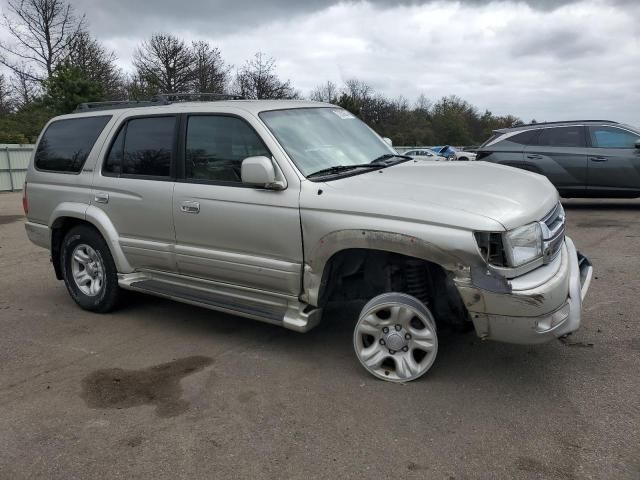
(614, 162)
(227, 231)
(134, 187)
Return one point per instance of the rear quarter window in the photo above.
(65, 145)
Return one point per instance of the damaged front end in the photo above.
(532, 285)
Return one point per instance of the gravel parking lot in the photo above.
(165, 390)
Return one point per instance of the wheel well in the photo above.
(361, 274)
(58, 231)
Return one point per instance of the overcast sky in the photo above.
(544, 59)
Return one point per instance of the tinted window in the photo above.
(66, 144)
(113, 162)
(148, 146)
(562, 137)
(216, 147)
(529, 137)
(612, 137)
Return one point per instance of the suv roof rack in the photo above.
(559, 122)
(161, 99)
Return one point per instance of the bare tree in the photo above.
(258, 79)
(359, 90)
(164, 62)
(7, 100)
(96, 64)
(423, 104)
(137, 88)
(42, 31)
(209, 71)
(24, 87)
(327, 92)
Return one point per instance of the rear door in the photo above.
(614, 162)
(561, 155)
(134, 187)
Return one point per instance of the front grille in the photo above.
(553, 233)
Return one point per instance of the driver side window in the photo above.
(216, 145)
(612, 137)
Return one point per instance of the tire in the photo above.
(463, 159)
(88, 270)
(395, 337)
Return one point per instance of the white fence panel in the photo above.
(14, 160)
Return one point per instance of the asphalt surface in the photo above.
(168, 391)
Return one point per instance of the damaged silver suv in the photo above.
(273, 209)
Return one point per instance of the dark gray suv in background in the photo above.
(585, 158)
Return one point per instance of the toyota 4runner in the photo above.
(272, 209)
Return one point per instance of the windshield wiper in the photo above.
(380, 162)
(388, 156)
(340, 169)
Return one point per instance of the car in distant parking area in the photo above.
(453, 154)
(424, 154)
(584, 158)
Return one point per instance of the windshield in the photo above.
(321, 138)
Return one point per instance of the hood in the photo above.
(476, 195)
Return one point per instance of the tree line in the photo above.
(52, 63)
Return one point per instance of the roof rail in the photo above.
(562, 121)
(115, 104)
(160, 99)
(199, 96)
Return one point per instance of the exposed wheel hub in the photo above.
(395, 340)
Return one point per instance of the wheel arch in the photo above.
(68, 215)
(333, 251)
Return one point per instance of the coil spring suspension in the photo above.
(417, 282)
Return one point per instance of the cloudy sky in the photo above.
(542, 59)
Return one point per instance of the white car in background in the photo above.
(424, 154)
(453, 154)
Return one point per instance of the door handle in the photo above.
(190, 207)
(534, 157)
(598, 159)
(101, 197)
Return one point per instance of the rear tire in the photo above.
(395, 338)
(88, 270)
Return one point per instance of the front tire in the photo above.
(395, 338)
(88, 270)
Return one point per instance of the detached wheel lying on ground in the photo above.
(88, 269)
(395, 338)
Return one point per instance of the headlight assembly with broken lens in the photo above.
(513, 248)
(523, 244)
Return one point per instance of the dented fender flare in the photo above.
(315, 265)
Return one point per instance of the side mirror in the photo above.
(388, 141)
(638, 144)
(259, 172)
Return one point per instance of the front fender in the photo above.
(334, 242)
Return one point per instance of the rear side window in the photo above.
(143, 147)
(562, 137)
(612, 137)
(529, 137)
(66, 144)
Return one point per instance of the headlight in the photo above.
(511, 249)
(523, 244)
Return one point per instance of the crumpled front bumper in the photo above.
(560, 300)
